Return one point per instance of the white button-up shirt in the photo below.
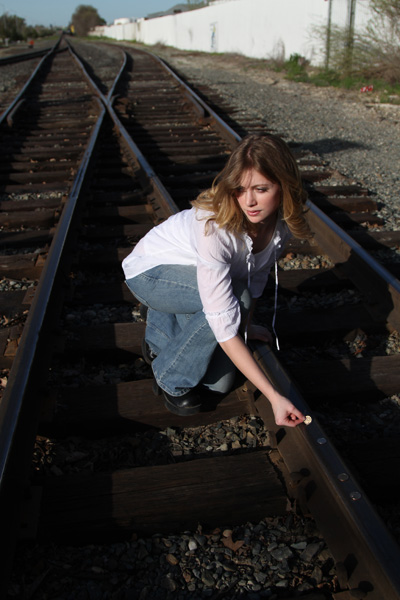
(219, 257)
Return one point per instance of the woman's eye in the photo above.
(262, 190)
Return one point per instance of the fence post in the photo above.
(350, 37)
(328, 35)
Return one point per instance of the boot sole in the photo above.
(182, 412)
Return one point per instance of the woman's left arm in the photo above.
(284, 410)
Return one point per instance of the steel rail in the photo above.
(13, 405)
(160, 191)
(5, 114)
(105, 99)
(163, 196)
(229, 134)
(363, 548)
(14, 58)
(12, 401)
(364, 268)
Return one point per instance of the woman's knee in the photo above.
(221, 373)
(133, 288)
(223, 385)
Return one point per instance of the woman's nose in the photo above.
(250, 199)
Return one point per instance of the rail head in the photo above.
(356, 535)
(105, 99)
(12, 401)
(48, 53)
(18, 419)
(14, 58)
(164, 199)
(229, 134)
(383, 298)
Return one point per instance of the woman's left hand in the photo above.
(285, 412)
(258, 332)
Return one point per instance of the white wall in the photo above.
(255, 28)
(125, 31)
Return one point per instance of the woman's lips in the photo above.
(253, 213)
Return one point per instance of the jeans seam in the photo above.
(158, 331)
(168, 281)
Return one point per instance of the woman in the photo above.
(201, 271)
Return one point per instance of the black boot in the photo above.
(188, 404)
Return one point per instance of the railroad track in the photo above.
(116, 168)
(9, 59)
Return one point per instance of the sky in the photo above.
(59, 12)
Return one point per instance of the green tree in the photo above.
(389, 8)
(85, 18)
(370, 53)
(15, 29)
(12, 27)
(196, 4)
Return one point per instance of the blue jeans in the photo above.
(178, 333)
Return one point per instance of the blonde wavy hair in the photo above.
(270, 156)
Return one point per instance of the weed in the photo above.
(296, 68)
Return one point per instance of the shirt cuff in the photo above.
(225, 325)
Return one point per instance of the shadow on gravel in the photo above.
(331, 145)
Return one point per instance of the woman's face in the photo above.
(258, 197)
